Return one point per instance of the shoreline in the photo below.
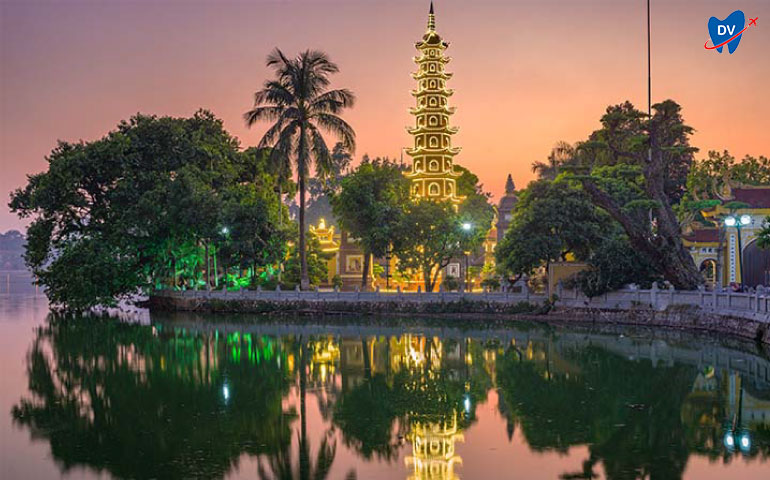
(673, 317)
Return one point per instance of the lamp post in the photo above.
(738, 223)
(467, 227)
(387, 268)
(225, 232)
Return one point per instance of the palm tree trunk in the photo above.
(304, 282)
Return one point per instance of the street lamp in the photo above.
(738, 223)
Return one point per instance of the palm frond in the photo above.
(338, 127)
(277, 59)
(332, 101)
(274, 133)
(257, 114)
(323, 158)
(274, 93)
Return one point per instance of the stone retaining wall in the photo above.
(745, 323)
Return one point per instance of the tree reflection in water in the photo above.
(178, 401)
(139, 402)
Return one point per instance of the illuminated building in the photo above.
(432, 175)
(719, 248)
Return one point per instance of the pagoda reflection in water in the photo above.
(433, 449)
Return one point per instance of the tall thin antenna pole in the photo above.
(649, 74)
(649, 87)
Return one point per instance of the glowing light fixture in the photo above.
(729, 440)
(730, 221)
(745, 219)
(745, 442)
(467, 226)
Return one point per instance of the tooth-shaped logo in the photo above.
(728, 31)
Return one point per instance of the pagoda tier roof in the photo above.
(421, 75)
(423, 109)
(431, 40)
(441, 91)
(423, 151)
(426, 58)
(448, 130)
(432, 175)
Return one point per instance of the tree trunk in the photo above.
(304, 282)
(666, 250)
(365, 273)
(427, 280)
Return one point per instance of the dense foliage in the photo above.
(154, 203)
(370, 206)
(635, 168)
(709, 177)
(551, 221)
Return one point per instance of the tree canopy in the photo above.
(635, 168)
(370, 206)
(140, 207)
(551, 220)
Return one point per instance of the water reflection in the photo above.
(191, 399)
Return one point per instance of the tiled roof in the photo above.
(758, 197)
(703, 235)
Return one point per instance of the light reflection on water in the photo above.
(187, 396)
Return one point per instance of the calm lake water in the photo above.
(186, 396)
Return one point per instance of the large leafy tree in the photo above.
(370, 206)
(132, 209)
(658, 148)
(300, 105)
(550, 221)
(429, 236)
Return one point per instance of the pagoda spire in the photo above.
(509, 185)
(431, 18)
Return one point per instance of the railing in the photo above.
(754, 305)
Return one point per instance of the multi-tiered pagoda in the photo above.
(433, 175)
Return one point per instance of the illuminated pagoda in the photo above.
(432, 175)
(433, 450)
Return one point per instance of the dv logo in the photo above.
(728, 31)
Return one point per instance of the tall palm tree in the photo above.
(299, 105)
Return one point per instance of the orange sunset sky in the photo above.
(526, 73)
